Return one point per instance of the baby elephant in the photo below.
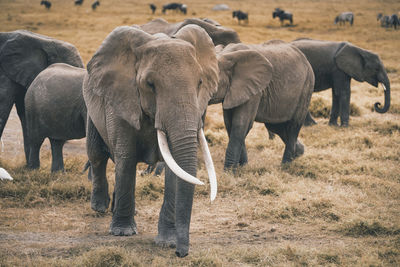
(55, 109)
(269, 83)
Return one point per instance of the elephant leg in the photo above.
(7, 99)
(57, 163)
(243, 156)
(166, 222)
(271, 135)
(34, 153)
(309, 120)
(123, 223)
(238, 122)
(98, 158)
(20, 105)
(344, 112)
(335, 108)
(288, 132)
(124, 154)
(299, 150)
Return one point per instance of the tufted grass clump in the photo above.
(319, 108)
(107, 256)
(33, 187)
(362, 228)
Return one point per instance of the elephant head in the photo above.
(220, 35)
(144, 83)
(24, 54)
(363, 65)
(244, 72)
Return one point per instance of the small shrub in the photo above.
(327, 258)
(319, 108)
(354, 110)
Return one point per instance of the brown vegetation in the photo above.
(338, 204)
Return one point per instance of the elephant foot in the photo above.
(344, 124)
(166, 240)
(182, 251)
(333, 123)
(123, 229)
(57, 169)
(100, 201)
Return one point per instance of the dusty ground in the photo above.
(339, 204)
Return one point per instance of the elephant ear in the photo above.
(350, 60)
(206, 57)
(249, 72)
(22, 59)
(112, 73)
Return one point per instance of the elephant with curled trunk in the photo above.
(55, 109)
(23, 55)
(140, 89)
(334, 65)
(219, 34)
(269, 83)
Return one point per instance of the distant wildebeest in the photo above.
(153, 8)
(78, 2)
(343, 17)
(47, 4)
(95, 5)
(240, 15)
(394, 21)
(175, 6)
(282, 15)
(384, 19)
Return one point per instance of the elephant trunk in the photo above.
(184, 150)
(386, 86)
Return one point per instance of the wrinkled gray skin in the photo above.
(219, 34)
(334, 65)
(23, 55)
(138, 83)
(269, 83)
(55, 109)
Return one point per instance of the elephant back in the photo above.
(288, 94)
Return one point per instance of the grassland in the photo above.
(337, 205)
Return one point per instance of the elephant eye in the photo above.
(200, 83)
(151, 85)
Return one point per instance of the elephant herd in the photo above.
(144, 95)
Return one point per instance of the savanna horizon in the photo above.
(338, 204)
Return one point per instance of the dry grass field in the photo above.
(337, 205)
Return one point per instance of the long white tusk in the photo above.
(4, 175)
(209, 165)
(384, 87)
(169, 160)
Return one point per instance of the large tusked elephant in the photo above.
(139, 89)
(23, 55)
(55, 109)
(220, 35)
(270, 83)
(334, 64)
